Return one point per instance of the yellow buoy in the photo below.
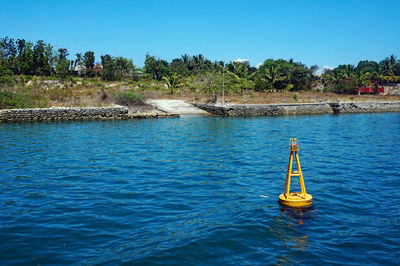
(294, 199)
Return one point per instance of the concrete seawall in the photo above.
(365, 107)
(121, 112)
(63, 114)
(75, 113)
(299, 108)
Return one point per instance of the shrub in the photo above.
(346, 86)
(289, 87)
(71, 79)
(7, 77)
(104, 95)
(295, 97)
(128, 98)
(10, 100)
(9, 80)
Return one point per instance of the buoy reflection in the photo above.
(298, 215)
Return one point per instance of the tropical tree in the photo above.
(108, 63)
(26, 65)
(157, 68)
(209, 82)
(396, 70)
(274, 75)
(88, 59)
(241, 69)
(236, 83)
(124, 66)
(8, 51)
(387, 66)
(51, 57)
(8, 48)
(62, 68)
(78, 59)
(344, 71)
(186, 59)
(197, 63)
(62, 53)
(178, 65)
(367, 66)
(40, 63)
(173, 81)
(300, 77)
(328, 79)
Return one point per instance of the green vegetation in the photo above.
(78, 79)
(25, 97)
(40, 59)
(128, 98)
(12, 100)
(345, 78)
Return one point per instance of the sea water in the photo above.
(200, 190)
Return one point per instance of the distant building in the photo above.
(98, 67)
(80, 69)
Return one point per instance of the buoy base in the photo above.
(295, 199)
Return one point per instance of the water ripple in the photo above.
(199, 190)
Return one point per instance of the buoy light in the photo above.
(294, 199)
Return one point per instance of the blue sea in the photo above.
(200, 190)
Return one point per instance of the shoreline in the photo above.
(235, 110)
(76, 114)
(243, 110)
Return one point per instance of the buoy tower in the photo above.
(294, 199)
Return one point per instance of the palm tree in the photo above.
(201, 61)
(198, 62)
(173, 81)
(274, 74)
(194, 62)
(328, 79)
(185, 59)
(386, 65)
(393, 60)
(78, 60)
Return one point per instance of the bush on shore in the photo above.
(128, 98)
(11, 100)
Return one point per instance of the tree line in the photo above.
(21, 57)
(272, 75)
(197, 73)
(344, 78)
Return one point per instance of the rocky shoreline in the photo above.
(76, 113)
(299, 108)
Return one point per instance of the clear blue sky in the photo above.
(312, 32)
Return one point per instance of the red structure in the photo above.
(369, 90)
